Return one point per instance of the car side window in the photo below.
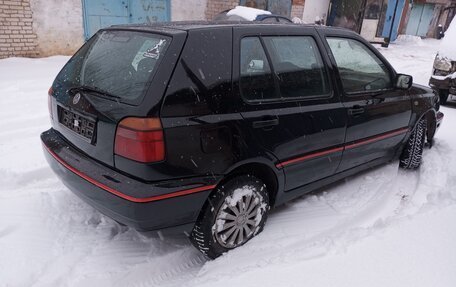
(256, 79)
(299, 67)
(359, 68)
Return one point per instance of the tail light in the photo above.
(140, 139)
(50, 92)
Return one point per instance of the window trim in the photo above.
(391, 72)
(280, 99)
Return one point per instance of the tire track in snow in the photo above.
(172, 274)
(389, 204)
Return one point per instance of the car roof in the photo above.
(192, 25)
(180, 26)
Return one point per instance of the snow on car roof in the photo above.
(247, 12)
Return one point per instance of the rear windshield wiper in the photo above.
(95, 91)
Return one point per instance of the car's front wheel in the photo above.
(443, 95)
(234, 213)
(413, 150)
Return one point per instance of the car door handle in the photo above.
(356, 110)
(265, 123)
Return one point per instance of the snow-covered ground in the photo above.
(384, 227)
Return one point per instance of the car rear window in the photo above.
(116, 62)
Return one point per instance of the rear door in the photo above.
(378, 114)
(287, 99)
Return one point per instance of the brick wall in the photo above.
(297, 10)
(16, 33)
(216, 6)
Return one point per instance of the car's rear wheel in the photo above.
(443, 94)
(233, 214)
(413, 150)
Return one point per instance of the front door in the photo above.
(378, 114)
(289, 107)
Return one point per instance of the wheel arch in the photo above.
(262, 169)
(431, 122)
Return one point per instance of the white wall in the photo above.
(314, 8)
(182, 10)
(58, 26)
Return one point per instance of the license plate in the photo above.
(77, 123)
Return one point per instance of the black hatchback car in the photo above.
(203, 127)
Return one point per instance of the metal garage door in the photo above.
(394, 6)
(98, 14)
(420, 19)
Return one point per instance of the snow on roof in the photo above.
(448, 45)
(247, 12)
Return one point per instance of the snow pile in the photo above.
(448, 45)
(247, 13)
(297, 20)
(409, 40)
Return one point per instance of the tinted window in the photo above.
(359, 68)
(256, 79)
(298, 65)
(118, 62)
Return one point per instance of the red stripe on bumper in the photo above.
(125, 196)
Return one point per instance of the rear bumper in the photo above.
(144, 206)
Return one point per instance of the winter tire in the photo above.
(443, 94)
(232, 215)
(413, 150)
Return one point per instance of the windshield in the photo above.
(116, 63)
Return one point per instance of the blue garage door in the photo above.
(392, 4)
(420, 19)
(104, 13)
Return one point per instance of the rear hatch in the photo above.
(118, 73)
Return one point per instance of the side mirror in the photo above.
(256, 65)
(403, 82)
